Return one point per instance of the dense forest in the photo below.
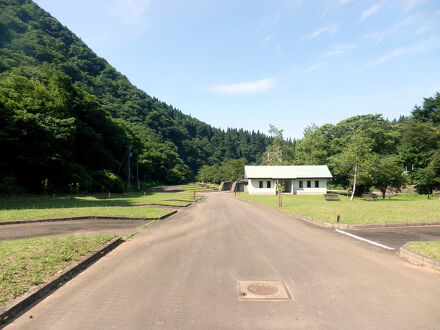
(70, 121)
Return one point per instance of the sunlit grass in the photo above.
(402, 208)
(28, 262)
(46, 207)
(198, 187)
(430, 249)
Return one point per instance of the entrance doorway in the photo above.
(287, 184)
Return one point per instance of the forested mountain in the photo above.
(69, 119)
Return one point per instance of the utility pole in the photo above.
(137, 176)
(129, 156)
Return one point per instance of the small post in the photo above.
(338, 218)
(145, 193)
(280, 199)
(109, 195)
(194, 194)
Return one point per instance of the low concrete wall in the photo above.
(418, 258)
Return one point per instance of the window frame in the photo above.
(316, 183)
(309, 183)
(301, 184)
(268, 184)
(260, 184)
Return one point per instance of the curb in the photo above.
(22, 302)
(177, 206)
(166, 215)
(324, 224)
(86, 218)
(418, 258)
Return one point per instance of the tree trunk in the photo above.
(383, 193)
(354, 181)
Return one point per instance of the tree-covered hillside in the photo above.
(69, 119)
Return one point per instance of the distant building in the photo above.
(303, 179)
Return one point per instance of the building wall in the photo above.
(321, 190)
(253, 187)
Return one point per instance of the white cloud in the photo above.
(410, 4)
(421, 47)
(129, 11)
(269, 22)
(267, 39)
(339, 50)
(252, 87)
(370, 11)
(410, 25)
(330, 29)
(313, 67)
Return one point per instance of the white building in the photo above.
(303, 179)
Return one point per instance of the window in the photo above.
(268, 184)
(316, 184)
(309, 184)
(301, 184)
(260, 184)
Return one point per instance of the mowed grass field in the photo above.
(47, 207)
(401, 208)
(430, 249)
(28, 262)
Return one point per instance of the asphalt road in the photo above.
(398, 236)
(71, 227)
(183, 273)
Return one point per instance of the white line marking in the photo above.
(364, 239)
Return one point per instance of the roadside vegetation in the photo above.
(118, 205)
(28, 262)
(430, 249)
(398, 209)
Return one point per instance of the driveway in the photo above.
(184, 273)
(398, 236)
(71, 227)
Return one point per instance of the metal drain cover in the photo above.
(263, 290)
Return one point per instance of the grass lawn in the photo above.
(198, 187)
(402, 208)
(430, 249)
(28, 262)
(45, 207)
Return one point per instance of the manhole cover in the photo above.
(263, 290)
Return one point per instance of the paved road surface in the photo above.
(182, 273)
(396, 237)
(71, 227)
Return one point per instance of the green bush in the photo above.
(106, 181)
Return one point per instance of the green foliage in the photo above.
(313, 148)
(280, 151)
(356, 160)
(388, 174)
(430, 111)
(426, 180)
(105, 181)
(230, 170)
(65, 113)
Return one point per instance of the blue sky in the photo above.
(252, 63)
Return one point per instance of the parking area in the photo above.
(398, 236)
(71, 227)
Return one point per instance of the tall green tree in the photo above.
(356, 160)
(388, 174)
